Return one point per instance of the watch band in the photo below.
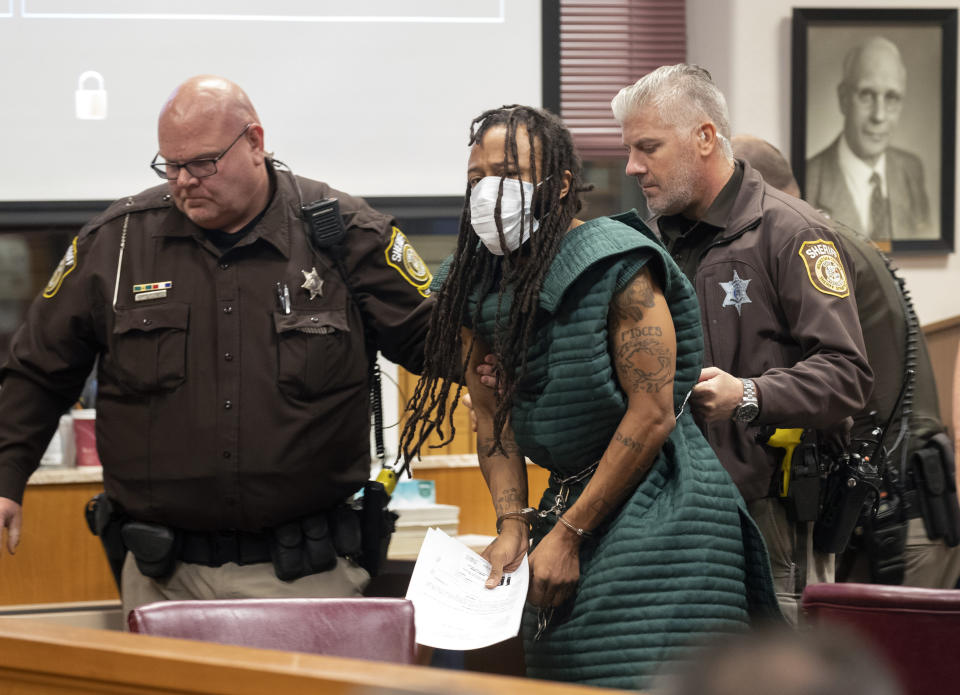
(749, 406)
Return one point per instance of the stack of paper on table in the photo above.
(413, 524)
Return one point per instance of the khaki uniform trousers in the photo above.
(930, 564)
(231, 581)
(791, 572)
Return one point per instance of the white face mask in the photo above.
(483, 201)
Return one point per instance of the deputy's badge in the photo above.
(312, 283)
(63, 269)
(824, 267)
(736, 291)
(402, 256)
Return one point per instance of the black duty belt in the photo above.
(217, 548)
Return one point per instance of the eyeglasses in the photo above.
(869, 98)
(198, 168)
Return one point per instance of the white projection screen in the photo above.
(373, 96)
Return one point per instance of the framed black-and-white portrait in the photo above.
(874, 121)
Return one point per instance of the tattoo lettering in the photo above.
(509, 500)
(646, 363)
(641, 332)
(629, 442)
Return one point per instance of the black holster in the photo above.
(155, 548)
(377, 524)
(932, 471)
(803, 495)
(104, 520)
(851, 483)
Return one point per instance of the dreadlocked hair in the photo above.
(474, 271)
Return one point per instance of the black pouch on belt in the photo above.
(346, 531)
(153, 546)
(302, 547)
(932, 469)
(886, 541)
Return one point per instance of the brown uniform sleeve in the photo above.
(50, 357)
(833, 380)
(391, 283)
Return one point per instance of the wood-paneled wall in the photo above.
(463, 441)
(59, 560)
(943, 339)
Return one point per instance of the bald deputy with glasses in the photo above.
(232, 342)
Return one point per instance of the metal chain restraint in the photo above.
(545, 614)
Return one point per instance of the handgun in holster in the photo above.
(799, 477)
(376, 521)
(852, 482)
(104, 519)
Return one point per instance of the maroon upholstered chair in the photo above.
(380, 629)
(915, 629)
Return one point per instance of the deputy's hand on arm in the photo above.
(485, 369)
(11, 518)
(504, 471)
(467, 403)
(716, 395)
(643, 346)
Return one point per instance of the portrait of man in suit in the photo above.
(860, 178)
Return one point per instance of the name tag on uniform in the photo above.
(147, 296)
(146, 291)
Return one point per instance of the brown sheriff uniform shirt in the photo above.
(777, 306)
(216, 409)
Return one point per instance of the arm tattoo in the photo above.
(645, 362)
(509, 501)
(634, 445)
(486, 446)
(639, 293)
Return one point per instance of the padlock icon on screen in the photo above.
(91, 97)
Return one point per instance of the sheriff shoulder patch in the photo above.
(824, 267)
(63, 269)
(402, 256)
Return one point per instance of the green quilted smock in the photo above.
(681, 561)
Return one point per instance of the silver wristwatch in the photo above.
(749, 407)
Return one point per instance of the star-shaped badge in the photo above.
(736, 291)
(312, 283)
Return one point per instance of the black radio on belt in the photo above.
(325, 226)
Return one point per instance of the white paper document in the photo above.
(453, 609)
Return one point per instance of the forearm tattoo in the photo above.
(634, 445)
(509, 501)
(486, 446)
